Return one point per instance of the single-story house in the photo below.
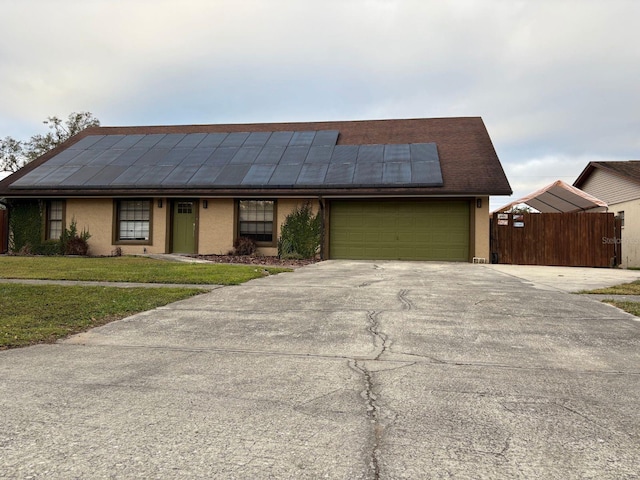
(386, 189)
(618, 184)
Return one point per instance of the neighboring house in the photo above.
(618, 184)
(387, 189)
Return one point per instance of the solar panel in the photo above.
(197, 156)
(191, 140)
(170, 140)
(107, 141)
(130, 156)
(279, 139)
(396, 173)
(370, 153)
(257, 139)
(34, 176)
(302, 138)
(106, 176)
(86, 142)
(232, 175)
(153, 157)
(397, 153)
(426, 173)
(205, 175)
(81, 176)
(245, 155)
(368, 173)
(212, 140)
(180, 176)
(130, 175)
(128, 141)
(325, 138)
(294, 155)
(312, 174)
(154, 176)
(235, 139)
(340, 174)
(104, 158)
(64, 157)
(319, 155)
(271, 155)
(424, 152)
(345, 154)
(150, 140)
(285, 175)
(228, 160)
(221, 156)
(258, 175)
(58, 175)
(174, 156)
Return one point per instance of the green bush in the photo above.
(72, 242)
(300, 234)
(25, 223)
(244, 246)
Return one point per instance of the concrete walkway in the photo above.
(341, 370)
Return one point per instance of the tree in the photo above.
(14, 154)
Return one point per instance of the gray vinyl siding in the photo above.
(611, 188)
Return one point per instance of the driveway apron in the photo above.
(341, 370)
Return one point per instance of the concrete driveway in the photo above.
(340, 370)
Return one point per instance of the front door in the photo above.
(184, 226)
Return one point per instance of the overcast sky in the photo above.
(557, 82)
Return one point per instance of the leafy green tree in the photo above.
(14, 154)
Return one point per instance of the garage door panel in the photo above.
(406, 230)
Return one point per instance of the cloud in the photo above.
(555, 81)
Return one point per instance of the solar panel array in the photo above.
(301, 159)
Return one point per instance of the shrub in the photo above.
(72, 242)
(244, 246)
(300, 234)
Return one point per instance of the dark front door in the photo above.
(184, 226)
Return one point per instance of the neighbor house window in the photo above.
(55, 210)
(255, 220)
(133, 220)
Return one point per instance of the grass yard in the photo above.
(632, 288)
(31, 314)
(130, 269)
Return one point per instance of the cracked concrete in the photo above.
(342, 370)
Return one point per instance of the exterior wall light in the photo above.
(479, 202)
(160, 203)
(205, 203)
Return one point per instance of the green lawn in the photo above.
(31, 314)
(632, 288)
(129, 269)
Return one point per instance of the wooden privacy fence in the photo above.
(4, 231)
(565, 239)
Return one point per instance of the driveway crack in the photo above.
(407, 304)
(380, 340)
(373, 415)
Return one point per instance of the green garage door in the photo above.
(400, 230)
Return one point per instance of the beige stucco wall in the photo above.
(96, 216)
(480, 245)
(630, 232)
(216, 227)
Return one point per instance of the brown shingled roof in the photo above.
(469, 163)
(629, 169)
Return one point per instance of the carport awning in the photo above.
(559, 197)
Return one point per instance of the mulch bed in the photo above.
(256, 260)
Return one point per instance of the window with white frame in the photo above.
(133, 220)
(255, 220)
(55, 209)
